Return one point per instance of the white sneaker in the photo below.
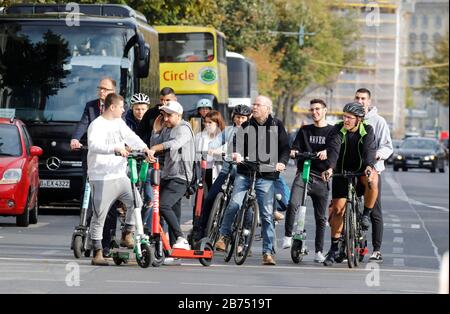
(182, 243)
(319, 257)
(170, 261)
(287, 242)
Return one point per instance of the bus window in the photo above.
(186, 47)
(221, 49)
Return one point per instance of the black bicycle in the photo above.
(244, 226)
(353, 242)
(220, 204)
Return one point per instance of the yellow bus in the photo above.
(193, 62)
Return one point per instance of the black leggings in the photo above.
(376, 217)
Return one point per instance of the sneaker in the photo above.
(376, 257)
(182, 243)
(268, 259)
(330, 258)
(287, 242)
(319, 257)
(365, 222)
(220, 244)
(170, 261)
(277, 216)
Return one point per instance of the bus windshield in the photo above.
(238, 80)
(186, 47)
(48, 73)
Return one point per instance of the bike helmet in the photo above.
(355, 109)
(204, 103)
(242, 110)
(140, 98)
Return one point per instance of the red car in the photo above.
(19, 173)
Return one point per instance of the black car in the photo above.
(420, 152)
(396, 145)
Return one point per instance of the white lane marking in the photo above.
(399, 262)
(397, 250)
(131, 281)
(398, 231)
(415, 226)
(415, 276)
(398, 240)
(207, 284)
(38, 225)
(2, 237)
(395, 220)
(400, 193)
(389, 225)
(50, 252)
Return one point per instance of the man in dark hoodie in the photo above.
(352, 147)
(261, 130)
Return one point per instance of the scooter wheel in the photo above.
(157, 259)
(77, 246)
(296, 248)
(118, 261)
(147, 255)
(87, 253)
(207, 261)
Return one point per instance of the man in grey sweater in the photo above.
(384, 150)
(174, 137)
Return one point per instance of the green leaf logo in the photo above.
(208, 75)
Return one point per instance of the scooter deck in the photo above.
(180, 253)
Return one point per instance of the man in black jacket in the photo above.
(311, 138)
(352, 148)
(264, 139)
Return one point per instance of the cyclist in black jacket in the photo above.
(352, 148)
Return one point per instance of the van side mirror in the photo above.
(143, 57)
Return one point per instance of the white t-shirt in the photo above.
(104, 136)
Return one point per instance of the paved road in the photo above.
(416, 211)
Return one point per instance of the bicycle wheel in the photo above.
(359, 233)
(245, 233)
(349, 237)
(215, 218)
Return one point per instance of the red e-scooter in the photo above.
(203, 250)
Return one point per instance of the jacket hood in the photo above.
(372, 112)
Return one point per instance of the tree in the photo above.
(331, 42)
(436, 83)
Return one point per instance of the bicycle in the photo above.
(220, 204)
(298, 248)
(353, 242)
(246, 220)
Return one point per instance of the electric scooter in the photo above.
(142, 251)
(298, 248)
(80, 236)
(203, 251)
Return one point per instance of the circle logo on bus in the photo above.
(208, 75)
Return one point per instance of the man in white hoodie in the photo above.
(384, 150)
(107, 171)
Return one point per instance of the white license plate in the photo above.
(412, 162)
(55, 184)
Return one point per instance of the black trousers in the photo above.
(318, 191)
(172, 191)
(376, 217)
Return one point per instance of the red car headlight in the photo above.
(11, 176)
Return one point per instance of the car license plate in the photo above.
(55, 184)
(412, 162)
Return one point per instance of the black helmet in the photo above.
(242, 110)
(355, 109)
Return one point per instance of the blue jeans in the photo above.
(282, 188)
(265, 197)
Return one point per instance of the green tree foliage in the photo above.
(436, 83)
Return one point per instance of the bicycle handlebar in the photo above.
(305, 155)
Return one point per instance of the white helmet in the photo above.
(204, 102)
(140, 98)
